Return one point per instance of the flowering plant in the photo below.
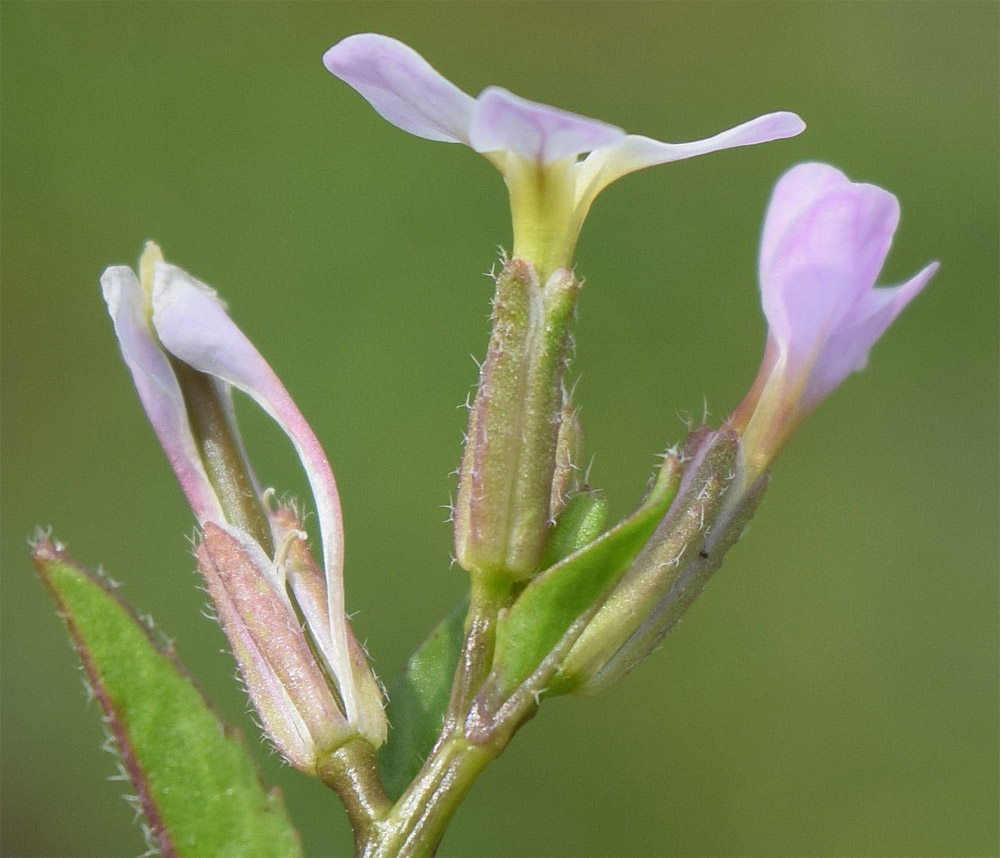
(559, 601)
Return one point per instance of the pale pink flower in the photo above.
(535, 147)
(824, 243)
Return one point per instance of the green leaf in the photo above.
(555, 599)
(418, 700)
(195, 781)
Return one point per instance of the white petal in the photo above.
(402, 87)
(603, 167)
(193, 325)
(158, 389)
(504, 122)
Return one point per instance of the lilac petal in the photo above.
(846, 350)
(158, 389)
(504, 122)
(402, 87)
(637, 152)
(796, 191)
(825, 261)
(192, 324)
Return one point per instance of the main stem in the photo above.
(414, 825)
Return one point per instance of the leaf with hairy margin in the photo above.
(196, 784)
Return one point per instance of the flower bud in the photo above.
(504, 507)
(824, 243)
(708, 515)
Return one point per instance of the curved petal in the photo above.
(825, 261)
(636, 152)
(846, 350)
(158, 389)
(402, 87)
(193, 325)
(504, 122)
(796, 190)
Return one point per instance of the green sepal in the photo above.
(196, 783)
(418, 700)
(561, 595)
(505, 484)
(579, 523)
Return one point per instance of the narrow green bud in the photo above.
(708, 516)
(504, 509)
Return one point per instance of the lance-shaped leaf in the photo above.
(196, 783)
(418, 700)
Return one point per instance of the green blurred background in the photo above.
(835, 690)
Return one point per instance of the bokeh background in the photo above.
(834, 692)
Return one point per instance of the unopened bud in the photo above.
(580, 522)
(503, 512)
(706, 518)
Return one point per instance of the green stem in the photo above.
(488, 596)
(414, 825)
(352, 772)
(417, 822)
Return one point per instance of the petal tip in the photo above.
(790, 123)
(908, 291)
(358, 47)
(401, 86)
(114, 281)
